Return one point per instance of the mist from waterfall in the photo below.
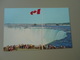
(35, 36)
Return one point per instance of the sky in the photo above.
(47, 15)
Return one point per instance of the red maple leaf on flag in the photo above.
(35, 11)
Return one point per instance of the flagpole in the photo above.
(42, 30)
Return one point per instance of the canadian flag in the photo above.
(35, 11)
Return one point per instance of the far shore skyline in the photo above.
(39, 23)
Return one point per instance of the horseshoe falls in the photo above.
(34, 35)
